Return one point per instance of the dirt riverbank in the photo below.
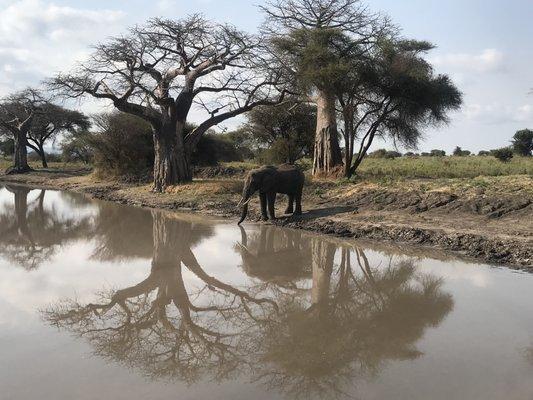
(487, 219)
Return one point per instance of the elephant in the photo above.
(269, 181)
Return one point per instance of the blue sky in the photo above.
(486, 46)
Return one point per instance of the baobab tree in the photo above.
(313, 40)
(160, 70)
(51, 121)
(17, 113)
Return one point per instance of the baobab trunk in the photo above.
(171, 165)
(327, 158)
(20, 156)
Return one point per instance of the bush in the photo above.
(122, 146)
(213, 148)
(382, 153)
(504, 154)
(76, 147)
(460, 152)
(411, 154)
(438, 153)
(483, 153)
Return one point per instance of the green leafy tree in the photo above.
(523, 142)
(393, 94)
(284, 133)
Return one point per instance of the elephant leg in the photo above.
(271, 200)
(298, 210)
(290, 206)
(263, 201)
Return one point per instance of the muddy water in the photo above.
(101, 301)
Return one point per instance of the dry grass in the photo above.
(443, 167)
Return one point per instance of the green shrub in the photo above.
(382, 153)
(213, 149)
(458, 152)
(122, 145)
(504, 154)
(76, 147)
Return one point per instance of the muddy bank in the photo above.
(488, 221)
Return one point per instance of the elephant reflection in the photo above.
(311, 340)
(275, 255)
(31, 233)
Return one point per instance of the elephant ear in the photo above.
(268, 182)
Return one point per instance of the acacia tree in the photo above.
(394, 93)
(161, 69)
(314, 39)
(51, 121)
(17, 112)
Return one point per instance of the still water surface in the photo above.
(102, 301)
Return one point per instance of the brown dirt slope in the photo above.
(487, 219)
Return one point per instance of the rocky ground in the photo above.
(486, 219)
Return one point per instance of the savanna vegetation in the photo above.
(315, 86)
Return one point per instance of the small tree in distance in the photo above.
(458, 152)
(438, 153)
(51, 121)
(17, 113)
(523, 142)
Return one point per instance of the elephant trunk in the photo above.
(246, 196)
(244, 213)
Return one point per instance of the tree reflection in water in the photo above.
(31, 233)
(311, 320)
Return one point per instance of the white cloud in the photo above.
(166, 5)
(496, 113)
(489, 60)
(38, 38)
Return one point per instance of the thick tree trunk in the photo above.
(42, 154)
(20, 157)
(171, 163)
(327, 158)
